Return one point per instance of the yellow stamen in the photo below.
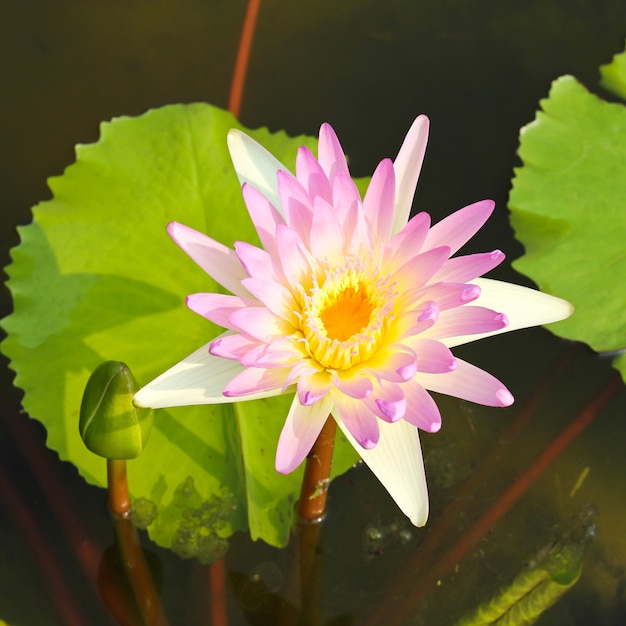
(346, 314)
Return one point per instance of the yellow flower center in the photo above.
(346, 314)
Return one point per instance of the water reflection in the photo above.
(258, 585)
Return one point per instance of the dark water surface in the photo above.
(478, 69)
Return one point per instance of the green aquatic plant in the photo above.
(88, 286)
(555, 570)
(567, 207)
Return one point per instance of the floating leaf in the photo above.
(556, 569)
(568, 208)
(614, 75)
(96, 278)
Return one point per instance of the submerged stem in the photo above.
(138, 573)
(312, 504)
(304, 593)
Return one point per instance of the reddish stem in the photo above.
(312, 503)
(133, 557)
(217, 584)
(311, 509)
(310, 549)
(502, 505)
(119, 498)
(243, 56)
(138, 573)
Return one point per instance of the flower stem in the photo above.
(243, 55)
(119, 498)
(217, 585)
(304, 590)
(138, 573)
(312, 504)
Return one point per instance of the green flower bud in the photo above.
(110, 424)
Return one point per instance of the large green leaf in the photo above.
(568, 207)
(613, 75)
(96, 278)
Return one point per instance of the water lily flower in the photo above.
(351, 305)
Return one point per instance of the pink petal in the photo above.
(378, 203)
(345, 203)
(458, 228)
(525, 307)
(419, 269)
(304, 366)
(294, 258)
(387, 401)
(422, 410)
(407, 168)
(432, 356)
(257, 263)
(218, 261)
(296, 204)
(466, 320)
(278, 299)
(281, 352)
(199, 378)
(408, 242)
(252, 380)
(330, 153)
(311, 176)
(357, 418)
(260, 323)
(264, 216)
(217, 307)
(254, 355)
(345, 199)
(355, 385)
(301, 429)
(468, 382)
(361, 242)
(413, 322)
(462, 269)
(448, 295)
(313, 387)
(327, 238)
(232, 346)
(396, 363)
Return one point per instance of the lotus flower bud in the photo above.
(110, 424)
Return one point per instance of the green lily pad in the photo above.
(568, 208)
(614, 75)
(96, 278)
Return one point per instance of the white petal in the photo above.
(396, 461)
(255, 165)
(199, 378)
(407, 168)
(523, 307)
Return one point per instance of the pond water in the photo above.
(478, 69)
